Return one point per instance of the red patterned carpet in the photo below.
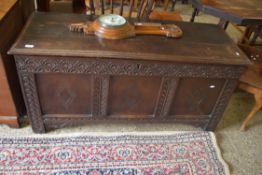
(186, 153)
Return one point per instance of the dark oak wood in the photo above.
(213, 48)
(11, 100)
(68, 79)
(237, 11)
(43, 5)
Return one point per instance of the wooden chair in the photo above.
(251, 34)
(78, 6)
(174, 3)
(251, 80)
(166, 3)
(164, 15)
(143, 9)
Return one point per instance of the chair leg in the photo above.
(195, 12)
(135, 5)
(173, 5)
(246, 36)
(223, 24)
(256, 107)
(256, 34)
(43, 5)
(166, 4)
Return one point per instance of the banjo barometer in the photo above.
(114, 26)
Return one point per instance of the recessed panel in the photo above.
(196, 96)
(133, 95)
(64, 93)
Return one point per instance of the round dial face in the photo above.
(111, 21)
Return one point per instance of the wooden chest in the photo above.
(71, 79)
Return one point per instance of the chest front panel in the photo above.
(70, 91)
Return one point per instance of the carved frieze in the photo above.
(123, 67)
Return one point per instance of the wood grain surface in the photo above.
(5, 6)
(48, 33)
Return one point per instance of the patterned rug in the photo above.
(186, 153)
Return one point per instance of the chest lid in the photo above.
(48, 34)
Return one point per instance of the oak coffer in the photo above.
(70, 79)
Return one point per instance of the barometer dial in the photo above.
(111, 21)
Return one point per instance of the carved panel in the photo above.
(64, 93)
(133, 96)
(123, 67)
(196, 96)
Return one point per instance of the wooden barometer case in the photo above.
(117, 27)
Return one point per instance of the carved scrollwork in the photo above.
(168, 89)
(32, 102)
(96, 96)
(104, 96)
(123, 67)
(223, 100)
(100, 95)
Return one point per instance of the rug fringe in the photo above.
(219, 153)
(139, 133)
